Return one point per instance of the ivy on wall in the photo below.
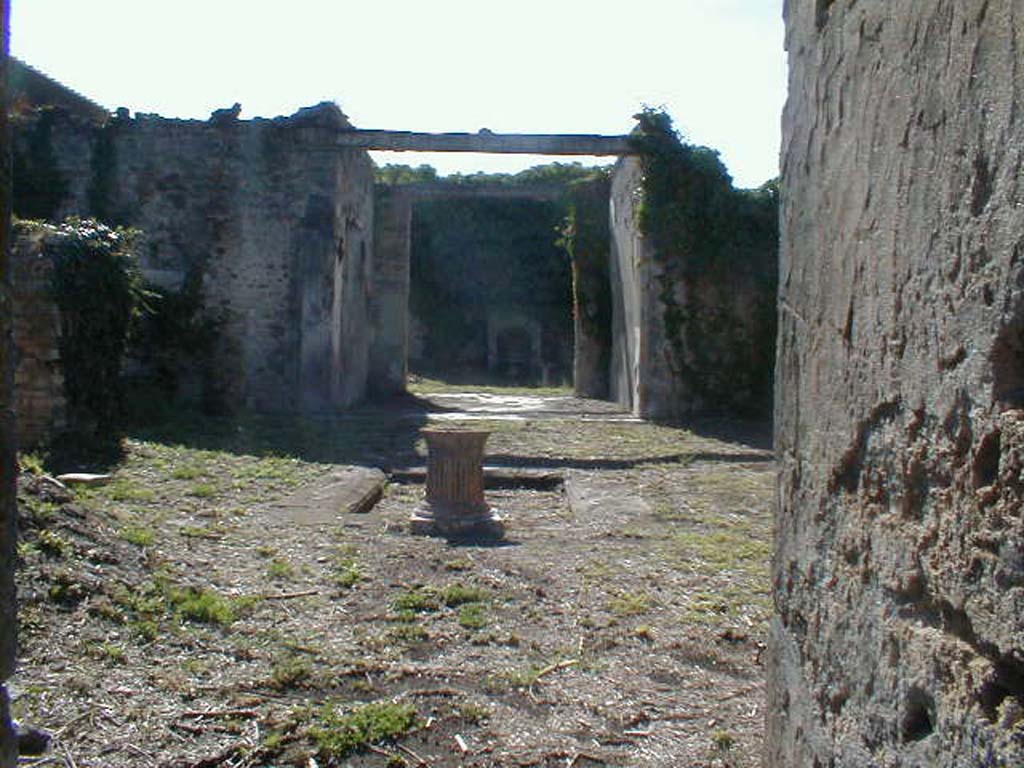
(717, 250)
(175, 339)
(98, 291)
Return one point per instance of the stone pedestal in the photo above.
(454, 505)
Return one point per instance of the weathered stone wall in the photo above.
(272, 222)
(8, 511)
(899, 565)
(589, 238)
(631, 257)
(38, 377)
(688, 338)
(389, 307)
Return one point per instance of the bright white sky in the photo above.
(524, 66)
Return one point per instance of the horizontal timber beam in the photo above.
(486, 141)
(447, 190)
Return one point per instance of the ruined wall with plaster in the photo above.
(269, 222)
(899, 564)
(630, 281)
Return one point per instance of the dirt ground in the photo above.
(207, 608)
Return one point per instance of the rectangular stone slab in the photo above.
(352, 490)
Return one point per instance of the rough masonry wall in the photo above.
(38, 377)
(899, 565)
(8, 510)
(270, 223)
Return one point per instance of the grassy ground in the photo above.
(181, 616)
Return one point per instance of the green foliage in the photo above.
(31, 463)
(473, 616)
(405, 174)
(712, 240)
(550, 173)
(459, 594)
(347, 572)
(280, 568)
(55, 545)
(418, 600)
(203, 606)
(98, 289)
(289, 671)
(338, 734)
(38, 185)
(139, 535)
(472, 256)
(175, 338)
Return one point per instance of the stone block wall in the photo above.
(38, 378)
(267, 217)
(8, 510)
(899, 564)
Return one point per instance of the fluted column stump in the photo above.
(454, 505)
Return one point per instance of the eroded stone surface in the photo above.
(346, 491)
(899, 569)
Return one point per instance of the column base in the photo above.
(431, 519)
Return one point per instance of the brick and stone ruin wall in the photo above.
(8, 461)
(264, 222)
(899, 569)
(40, 402)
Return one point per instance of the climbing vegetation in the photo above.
(98, 290)
(717, 252)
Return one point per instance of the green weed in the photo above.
(126, 489)
(630, 604)
(55, 545)
(473, 616)
(289, 672)
(203, 490)
(338, 734)
(418, 600)
(458, 594)
(139, 535)
(347, 572)
(280, 568)
(203, 606)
